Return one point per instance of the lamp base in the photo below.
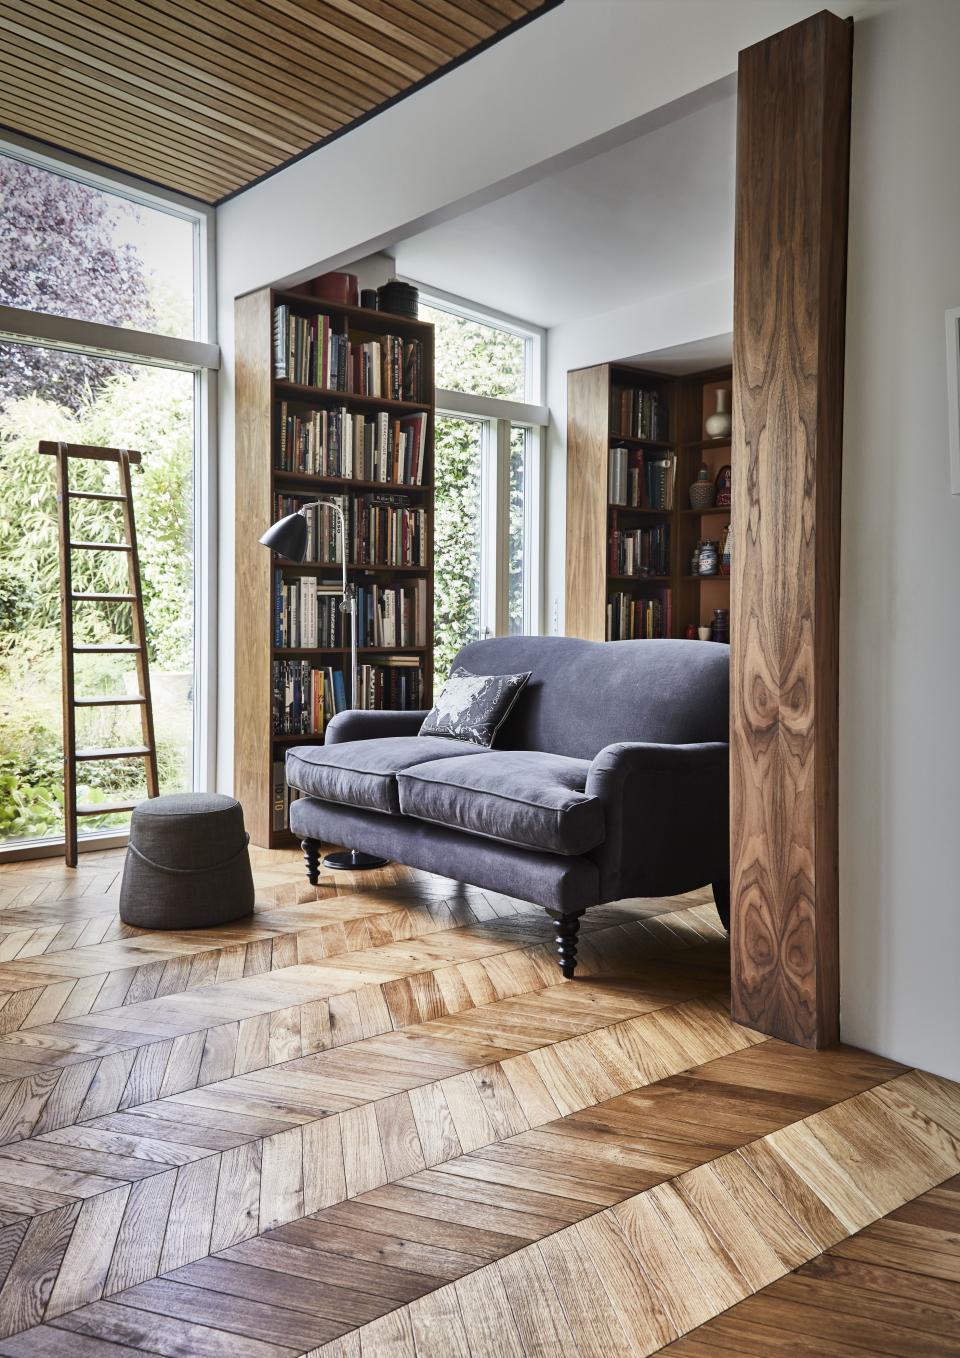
(352, 860)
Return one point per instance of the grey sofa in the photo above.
(608, 780)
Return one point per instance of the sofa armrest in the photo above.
(357, 724)
(666, 809)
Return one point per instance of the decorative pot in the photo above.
(719, 424)
(703, 492)
(724, 485)
(709, 559)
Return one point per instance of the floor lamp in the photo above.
(288, 537)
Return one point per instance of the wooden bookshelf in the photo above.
(592, 431)
(259, 481)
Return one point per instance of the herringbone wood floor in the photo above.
(373, 1120)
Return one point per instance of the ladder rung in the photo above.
(109, 702)
(106, 808)
(101, 547)
(128, 752)
(105, 598)
(118, 649)
(93, 495)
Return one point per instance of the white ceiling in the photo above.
(644, 219)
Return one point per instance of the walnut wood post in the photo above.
(789, 300)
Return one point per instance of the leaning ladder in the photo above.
(137, 646)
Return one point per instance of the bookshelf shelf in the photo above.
(260, 397)
(304, 394)
(340, 483)
(598, 401)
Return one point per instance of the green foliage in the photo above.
(477, 358)
(150, 409)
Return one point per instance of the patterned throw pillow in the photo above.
(473, 707)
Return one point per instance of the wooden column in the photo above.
(789, 298)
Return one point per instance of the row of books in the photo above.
(640, 482)
(307, 612)
(364, 447)
(392, 615)
(309, 350)
(382, 530)
(282, 796)
(640, 551)
(395, 682)
(305, 697)
(638, 413)
(631, 617)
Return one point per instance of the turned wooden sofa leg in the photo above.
(311, 856)
(567, 929)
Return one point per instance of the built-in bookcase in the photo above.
(360, 429)
(635, 443)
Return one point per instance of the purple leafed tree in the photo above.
(58, 254)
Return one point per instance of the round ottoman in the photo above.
(187, 863)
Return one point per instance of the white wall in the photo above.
(900, 547)
(589, 70)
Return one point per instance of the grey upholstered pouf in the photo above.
(187, 863)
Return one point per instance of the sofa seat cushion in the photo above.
(364, 772)
(521, 797)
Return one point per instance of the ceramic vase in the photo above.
(719, 424)
(703, 492)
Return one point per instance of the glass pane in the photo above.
(516, 532)
(94, 401)
(73, 250)
(457, 538)
(477, 358)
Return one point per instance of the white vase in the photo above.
(719, 425)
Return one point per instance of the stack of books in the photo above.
(639, 551)
(388, 531)
(632, 617)
(312, 352)
(638, 413)
(394, 682)
(305, 697)
(638, 481)
(392, 615)
(307, 613)
(334, 442)
(324, 539)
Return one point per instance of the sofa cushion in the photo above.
(473, 707)
(519, 797)
(364, 772)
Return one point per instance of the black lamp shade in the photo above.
(288, 537)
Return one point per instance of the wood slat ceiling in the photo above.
(205, 98)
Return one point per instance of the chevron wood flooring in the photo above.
(373, 1120)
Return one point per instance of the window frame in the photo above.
(500, 416)
(199, 355)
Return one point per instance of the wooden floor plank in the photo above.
(372, 1120)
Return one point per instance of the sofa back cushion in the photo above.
(583, 695)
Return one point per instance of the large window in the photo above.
(102, 342)
(488, 445)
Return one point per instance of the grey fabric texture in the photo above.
(559, 883)
(187, 864)
(473, 707)
(360, 725)
(667, 819)
(364, 772)
(584, 695)
(521, 797)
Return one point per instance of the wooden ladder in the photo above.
(137, 646)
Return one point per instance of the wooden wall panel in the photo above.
(205, 98)
(790, 288)
(588, 398)
(252, 604)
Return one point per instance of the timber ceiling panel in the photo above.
(207, 97)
